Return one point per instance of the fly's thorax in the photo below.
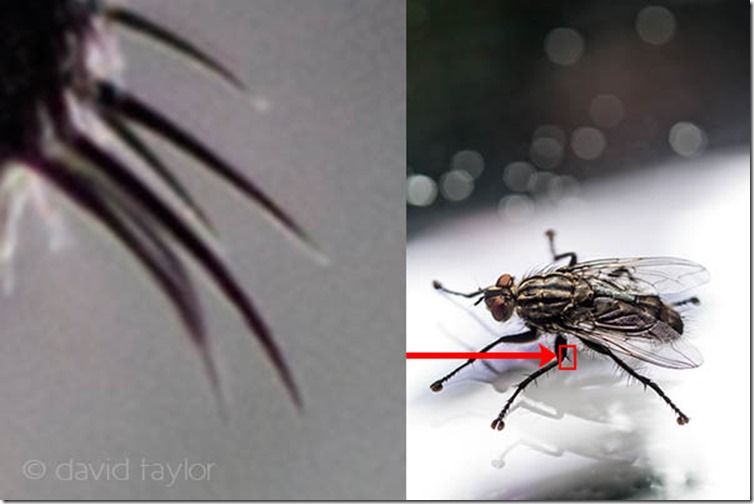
(548, 296)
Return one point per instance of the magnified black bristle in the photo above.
(130, 107)
(138, 235)
(131, 140)
(112, 169)
(140, 24)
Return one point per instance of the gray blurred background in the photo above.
(95, 368)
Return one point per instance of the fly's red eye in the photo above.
(499, 308)
(505, 280)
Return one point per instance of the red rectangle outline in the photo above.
(560, 357)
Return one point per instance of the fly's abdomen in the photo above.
(661, 311)
(546, 297)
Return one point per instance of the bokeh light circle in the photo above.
(456, 185)
(588, 143)
(546, 152)
(564, 46)
(516, 207)
(687, 139)
(539, 182)
(655, 25)
(606, 110)
(421, 190)
(550, 131)
(563, 187)
(516, 175)
(469, 161)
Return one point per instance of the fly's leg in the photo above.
(622, 271)
(470, 348)
(692, 300)
(550, 233)
(498, 422)
(682, 418)
(438, 286)
(524, 337)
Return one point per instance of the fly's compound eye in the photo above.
(500, 308)
(505, 281)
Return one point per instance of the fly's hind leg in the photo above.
(622, 271)
(498, 423)
(692, 300)
(682, 419)
(550, 233)
(524, 337)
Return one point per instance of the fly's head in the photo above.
(500, 298)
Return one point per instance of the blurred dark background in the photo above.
(515, 104)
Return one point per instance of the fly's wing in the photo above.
(643, 275)
(633, 331)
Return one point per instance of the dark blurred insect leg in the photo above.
(622, 271)
(498, 422)
(555, 256)
(692, 300)
(524, 337)
(438, 286)
(682, 418)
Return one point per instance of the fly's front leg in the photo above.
(682, 418)
(524, 337)
(550, 233)
(440, 287)
(498, 422)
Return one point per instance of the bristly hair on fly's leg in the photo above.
(48, 82)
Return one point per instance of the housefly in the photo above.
(615, 307)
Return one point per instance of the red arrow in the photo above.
(544, 355)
